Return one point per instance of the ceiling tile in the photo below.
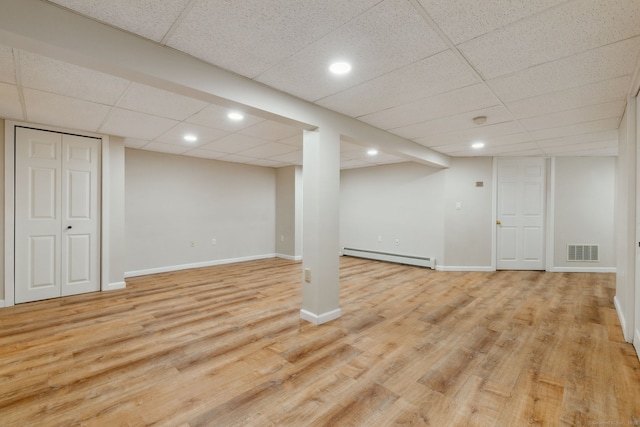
(484, 133)
(489, 150)
(468, 98)
(496, 114)
(296, 141)
(176, 134)
(150, 100)
(293, 157)
(215, 117)
(249, 37)
(608, 62)
(578, 148)
(148, 18)
(165, 148)
(387, 37)
(7, 69)
(463, 20)
(135, 125)
(49, 75)
(444, 72)
(61, 111)
(575, 97)
(607, 135)
(579, 115)
(271, 130)
(580, 25)
(352, 164)
(268, 150)
(576, 129)
(10, 107)
(234, 143)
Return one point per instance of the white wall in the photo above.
(172, 201)
(403, 201)
(289, 212)
(584, 209)
(2, 218)
(467, 238)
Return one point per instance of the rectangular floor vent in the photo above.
(583, 253)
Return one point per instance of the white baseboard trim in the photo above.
(623, 321)
(582, 270)
(289, 257)
(319, 319)
(465, 268)
(195, 265)
(115, 285)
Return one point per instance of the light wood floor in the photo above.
(225, 346)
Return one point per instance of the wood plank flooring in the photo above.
(224, 346)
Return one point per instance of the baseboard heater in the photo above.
(386, 256)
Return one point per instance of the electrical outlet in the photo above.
(397, 242)
(192, 243)
(307, 275)
(379, 239)
(214, 242)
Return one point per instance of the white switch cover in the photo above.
(458, 205)
(307, 275)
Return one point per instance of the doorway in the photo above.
(57, 214)
(520, 222)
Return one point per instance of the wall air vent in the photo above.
(583, 253)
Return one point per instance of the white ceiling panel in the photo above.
(215, 116)
(271, 130)
(176, 135)
(483, 133)
(49, 75)
(463, 20)
(293, 140)
(253, 36)
(166, 148)
(576, 129)
(7, 69)
(490, 150)
(292, 157)
(608, 135)
(148, 18)
(468, 98)
(581, 25)
(268, 150)
(387, 37)
(159, 102)
(608, 62)
(234, 143)
(11, 107)
(496, 114)
(576, 97)
(444, 72)
(579, 115)
(137, 125)
(61, 111)
(352, 164)
(267, 163)
(587, 146)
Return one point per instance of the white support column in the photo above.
(320, 230)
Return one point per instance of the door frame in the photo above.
(9, 205)
(548, 223)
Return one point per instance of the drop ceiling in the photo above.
(551, 76)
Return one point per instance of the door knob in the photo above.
(69, 227)
(498, 222)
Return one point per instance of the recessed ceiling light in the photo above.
(340, 68)
(190, 138)
(372, 152)
(477, 145)
(234, 115)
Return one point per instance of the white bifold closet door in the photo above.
(57, 223)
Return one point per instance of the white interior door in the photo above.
(521, 214)
(57, 237)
